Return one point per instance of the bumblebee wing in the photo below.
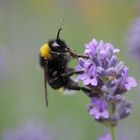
(45, 81)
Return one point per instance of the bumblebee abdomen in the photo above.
(56, 83)
(41, 61)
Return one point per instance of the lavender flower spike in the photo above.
(132, 38)
(108, 80)
(28, 131)
(106, 137)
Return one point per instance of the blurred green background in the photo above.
(24, 26)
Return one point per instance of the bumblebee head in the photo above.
(45, 51)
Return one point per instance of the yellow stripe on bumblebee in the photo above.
(45, 51)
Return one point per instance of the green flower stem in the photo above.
(112, 131)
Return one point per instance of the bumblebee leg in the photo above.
(82, 56)
(71, 72)
(75, 55)
(72, 54)
(72, 85)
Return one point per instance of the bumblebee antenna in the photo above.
(60, 28)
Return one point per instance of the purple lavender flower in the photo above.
(132, 38)
(106, 137)
(123, 109)
(127, 81)
(98, 108)
(28, 131)
(108, 81)
(89, 77)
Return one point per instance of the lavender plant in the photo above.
(28, 131)
(132, 38)
(106, 137)
(108, 81)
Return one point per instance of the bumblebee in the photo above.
(53, 58)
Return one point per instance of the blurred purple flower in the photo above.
(132, 38)
(106, 137)
(28, 131)
(108, 80)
